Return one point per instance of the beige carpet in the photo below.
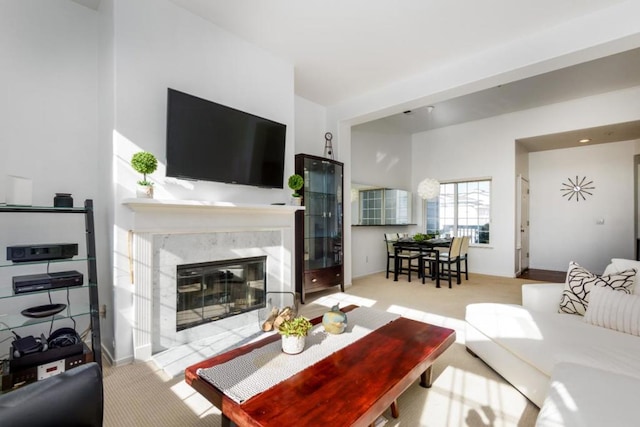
(465, 391)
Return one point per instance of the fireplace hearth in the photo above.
(210, 291)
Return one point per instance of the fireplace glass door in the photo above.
(211, 291)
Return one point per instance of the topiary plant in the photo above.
(296, 183)
(144, 163)
(296, 327)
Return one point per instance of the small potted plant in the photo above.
(420, 237)
(294, 331)
(144, 163)
(296, 182)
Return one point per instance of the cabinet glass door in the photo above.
(323, 214)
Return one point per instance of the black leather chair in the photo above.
(73, 398)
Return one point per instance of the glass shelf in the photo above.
(53, 261)
(11, 321)
(7, 291)
(320, 194)
(322, 237)
(78, 307)
(40, 209)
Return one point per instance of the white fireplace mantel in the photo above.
(163, 232)
(146, 205)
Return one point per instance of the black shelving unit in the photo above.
(92, 271)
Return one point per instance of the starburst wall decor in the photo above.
(577, 188)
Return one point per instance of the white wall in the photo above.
(562, 230)
(380, 157)
(49, 130)
(106, 185)
(481, 149)
(159, 45)
(486, 148)
(311, 125)
(48, 103)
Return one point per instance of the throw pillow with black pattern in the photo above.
(575, 296)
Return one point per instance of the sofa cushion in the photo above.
(614, 310)
(621, 264)
(545, 339)
(582, 396)
(575, 296)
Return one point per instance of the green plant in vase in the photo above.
(294, 332)
(296, 182)
(145, 163)
(296, 327)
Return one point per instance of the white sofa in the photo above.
(533, 346)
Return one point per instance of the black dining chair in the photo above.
(429, 266)
(447, 259)
(406, 259)
(464, 257)
(389, 240)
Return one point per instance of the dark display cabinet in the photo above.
(319, 227)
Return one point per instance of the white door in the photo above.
(523, 228)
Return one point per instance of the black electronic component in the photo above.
(40, 282)
(41, 252)
(25, 369)
(28, 345)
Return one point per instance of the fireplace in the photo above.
(195, 250)
(167, 234)
(210, 291)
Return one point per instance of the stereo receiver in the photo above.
(42, 282)
(41, 252)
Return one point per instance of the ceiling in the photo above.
(344, 48)
(603, 75)
(341, 49)
(597, 135)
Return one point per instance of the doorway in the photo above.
(522, 233)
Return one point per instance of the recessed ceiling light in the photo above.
(584, 140)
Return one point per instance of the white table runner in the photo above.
(252, 373)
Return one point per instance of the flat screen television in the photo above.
(211, 142)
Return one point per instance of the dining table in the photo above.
(424, 247)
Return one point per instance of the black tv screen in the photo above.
(212, 142)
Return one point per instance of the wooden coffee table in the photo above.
(352, 387)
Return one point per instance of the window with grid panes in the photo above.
(462, 209)
(396, 207)
(371, 206)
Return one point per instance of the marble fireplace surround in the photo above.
(170, 233)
